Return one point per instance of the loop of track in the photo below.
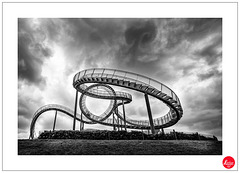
(105, 78)
(127, 80)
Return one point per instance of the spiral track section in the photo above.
(131, 81)
(97, 83)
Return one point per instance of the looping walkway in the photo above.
(101, 79)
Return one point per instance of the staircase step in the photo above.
(126, 83)
(88, 79)
(162, 95)
(168, 98)
(104, 79)
(120, 82)
(132, 84)
(84, 79)
(93, 78)
(150, 90)
(109, 80)
(115, 81)
(138, 86)
(156, 92)
(144, 88)
(99, 79)
(173, 101)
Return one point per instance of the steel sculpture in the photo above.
(101, 80)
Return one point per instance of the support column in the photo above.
(162, 131)
(121, 124)
(82, 126)
(114, 128)
(117, 123)
(149, 114)
(174, 133)
(81, 123)
(124, 117)
(75, 110)
(54, 123)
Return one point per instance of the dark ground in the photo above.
(118, 147)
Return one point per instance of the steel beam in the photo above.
(114, 128)
(163, 131)
(121, 124)
(82, 126)
(118, 123)
(124, 117)
(81, 123)
(174, 134)
(75, 110)
(54, 123)
(149, 114)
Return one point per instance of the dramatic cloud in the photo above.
(31, 52)
(184, 54)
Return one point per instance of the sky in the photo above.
(183, 53)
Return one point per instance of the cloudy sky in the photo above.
(184, 54)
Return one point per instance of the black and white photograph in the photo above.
(144, 85)
(112, 83)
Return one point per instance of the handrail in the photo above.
(105, 77)
(113, 77)
(124, 76)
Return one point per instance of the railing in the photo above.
(104, 75)
(123, 79)
(123, 75)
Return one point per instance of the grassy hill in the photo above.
(118, 147)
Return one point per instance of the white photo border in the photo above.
(12, 11)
